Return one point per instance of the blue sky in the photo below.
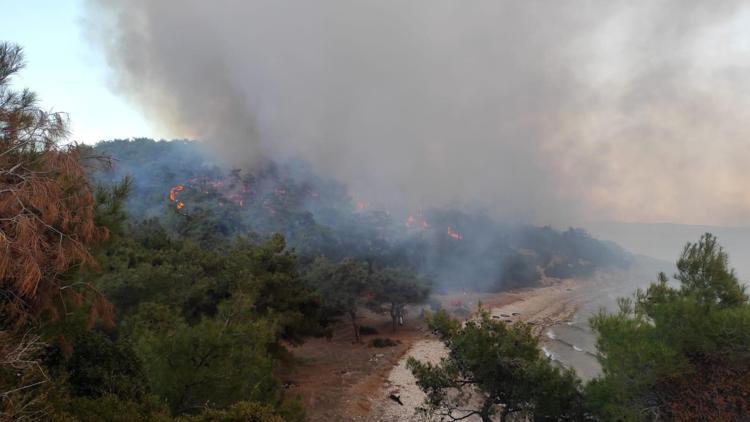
(66, 72)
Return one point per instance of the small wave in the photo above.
(577, 327)
(549, 354)
(574, 347)
(551, 334)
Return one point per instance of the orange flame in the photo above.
(173, 196)
(411, 222)
(454, 234)
(236, 195)
(361, 205)
(173, 192)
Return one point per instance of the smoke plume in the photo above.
(541, 111)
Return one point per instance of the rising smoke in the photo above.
(543, 111)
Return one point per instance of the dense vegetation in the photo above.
(678, 352)
(319, 218)
(495, 370)
(143, 281)
(102, 321)
(672, 352)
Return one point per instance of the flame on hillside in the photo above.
(413, 222)
(173, 196)
(454, 234)
(233, 192)
(238, 193)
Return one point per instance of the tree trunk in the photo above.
(394, 316)
(353, 317)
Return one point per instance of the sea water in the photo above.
(573, 343)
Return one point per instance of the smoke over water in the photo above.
(542, 111)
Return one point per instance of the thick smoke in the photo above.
(543, 111)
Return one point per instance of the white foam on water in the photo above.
(549, 354)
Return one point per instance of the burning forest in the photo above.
(318, 217)
(374, 211)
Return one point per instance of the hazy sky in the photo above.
(67, 74)
(544, 111)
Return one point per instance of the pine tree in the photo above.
(678, 352)
(46, 228)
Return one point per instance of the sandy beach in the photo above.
(541, 307)
(558, 310)
(545, 306)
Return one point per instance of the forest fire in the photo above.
(331, 178)
(230, 191)
(411, 222)
(173, 192)
(454, 234)
(173, 196)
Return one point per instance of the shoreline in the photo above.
(544, 306)
(553, 303)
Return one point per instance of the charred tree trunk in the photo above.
(355, 326)
(397, 315)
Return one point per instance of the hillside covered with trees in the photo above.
(194, 197)
(142, 280)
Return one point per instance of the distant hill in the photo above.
(194, 197)
(665, 240)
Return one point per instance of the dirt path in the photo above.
(400, 381)
(339, 380)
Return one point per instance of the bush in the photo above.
(383, 342)
(99, 367)
(495, 371)
(243, 411)
(677, 353)
(109, 408)
(367, 331)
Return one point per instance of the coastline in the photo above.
(543, 307)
